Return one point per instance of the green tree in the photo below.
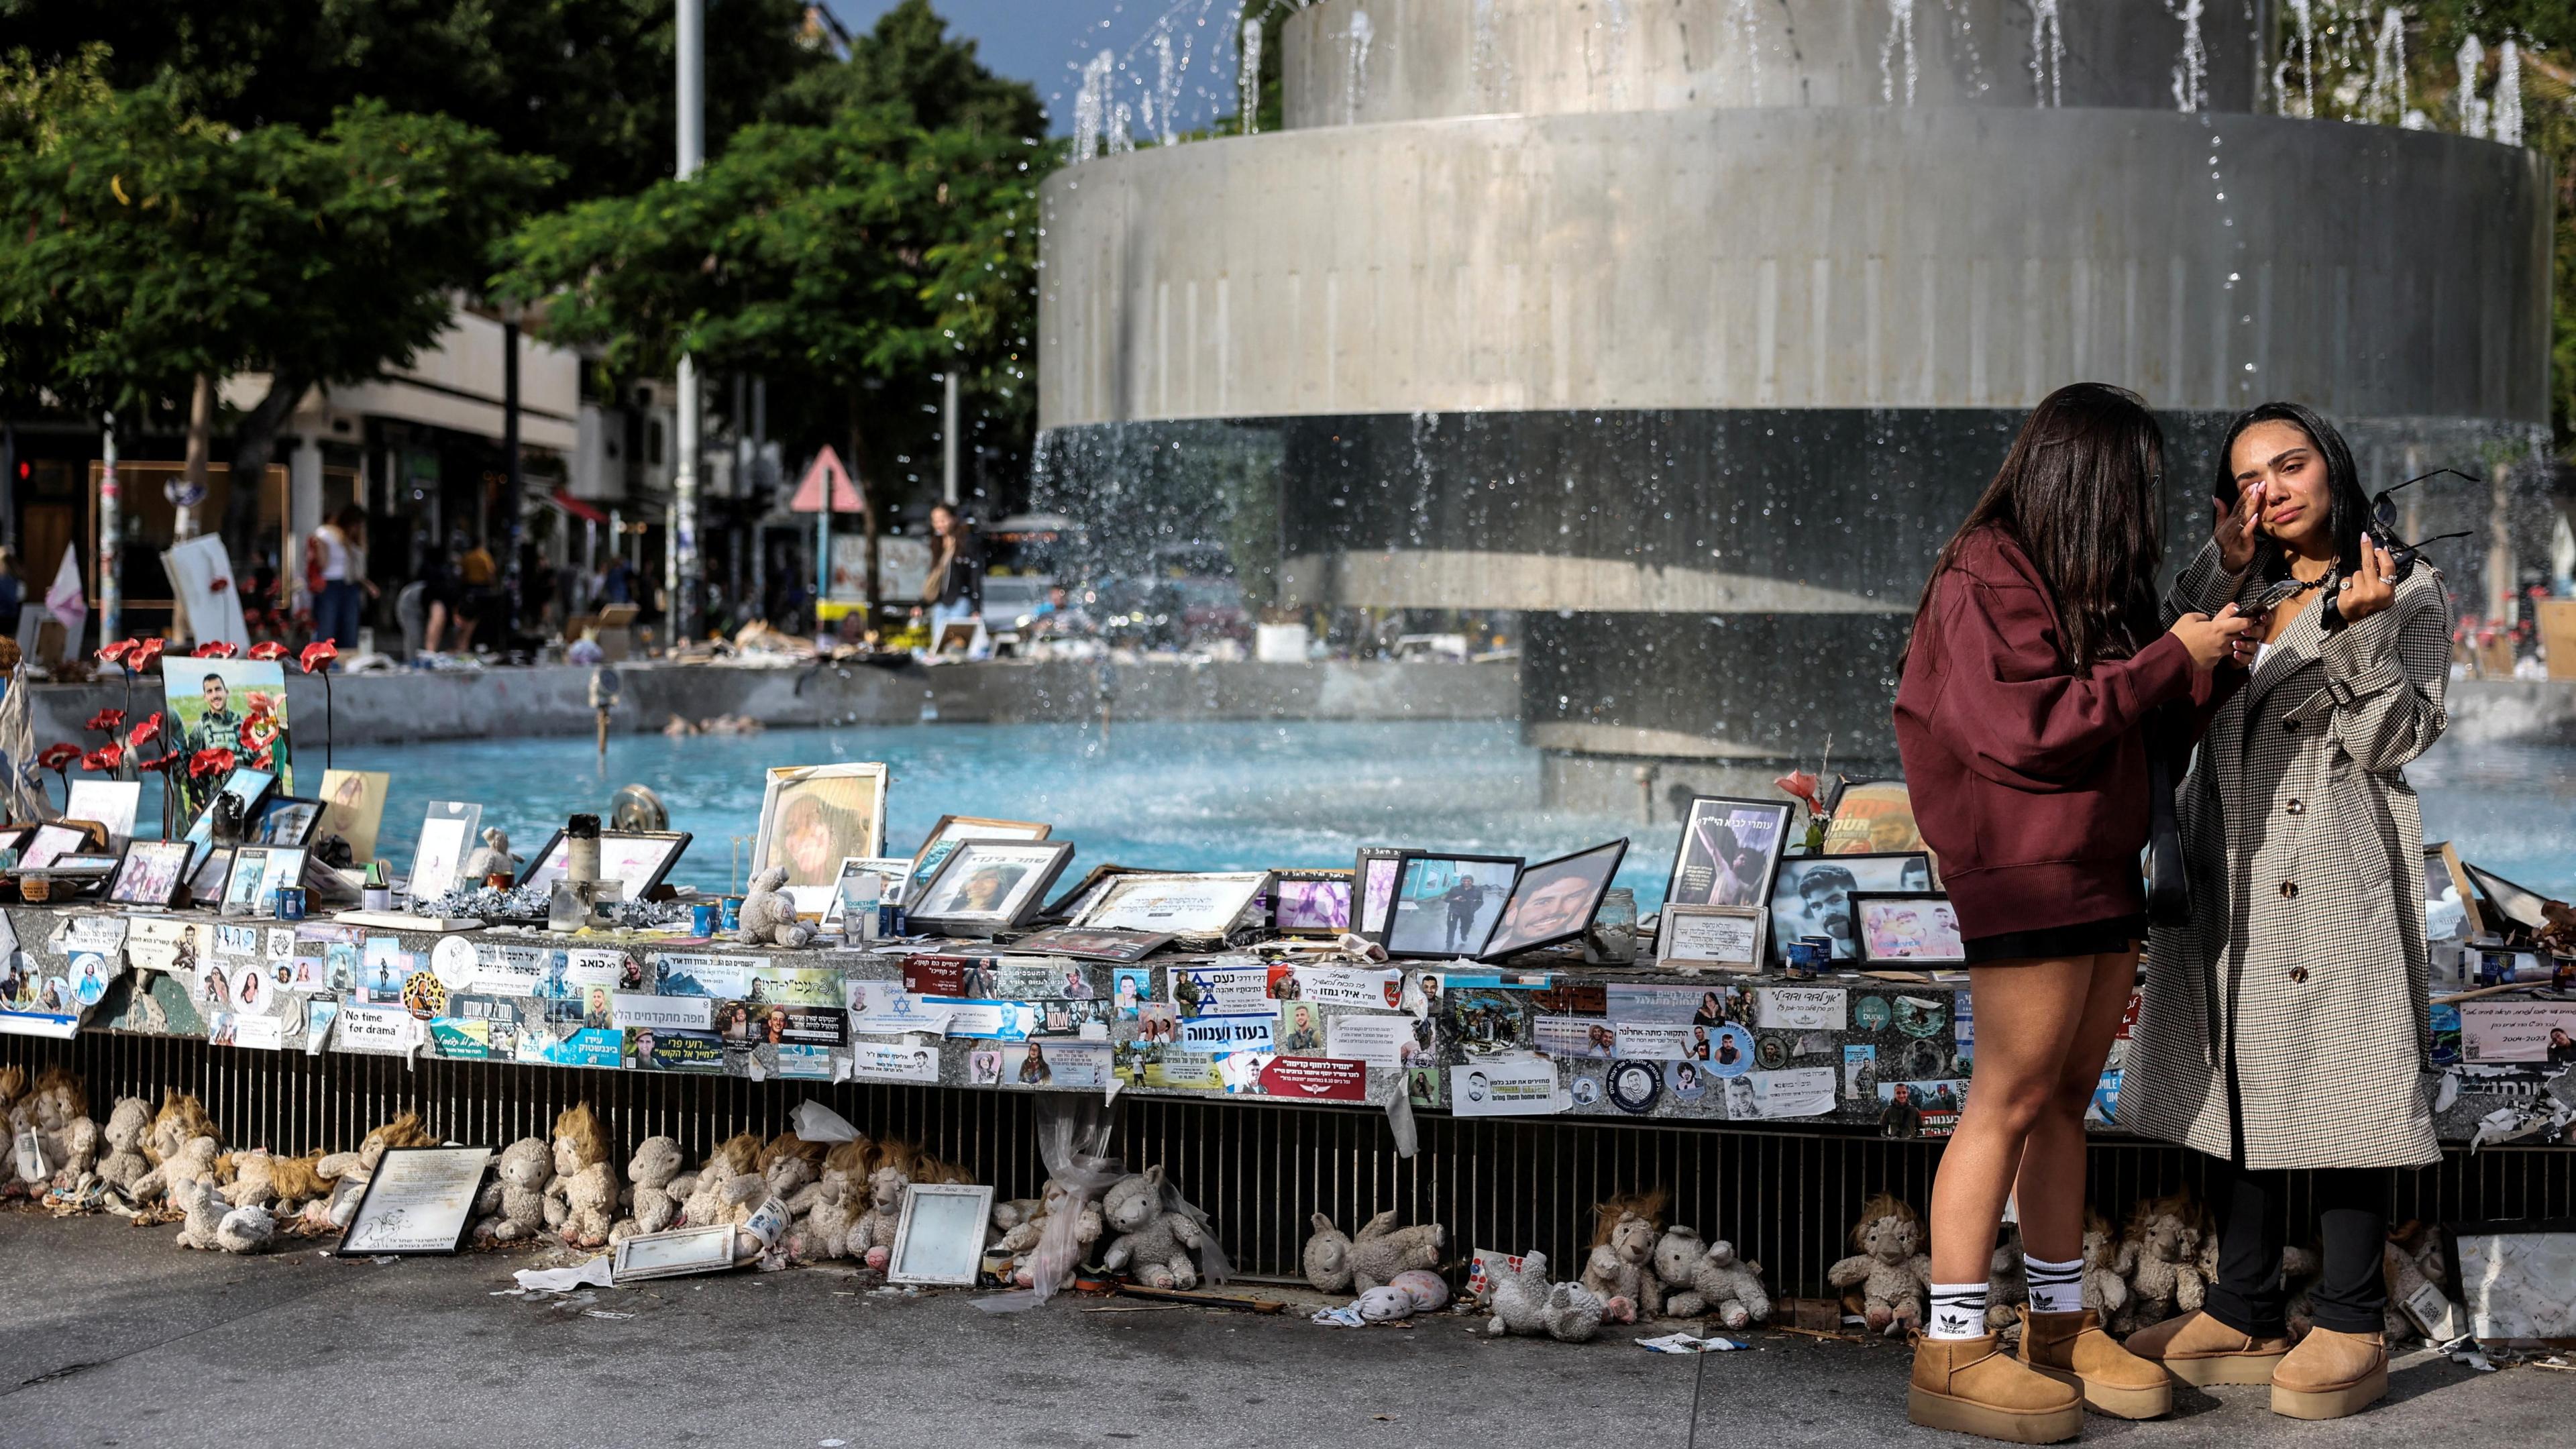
(909, 60)
(155, 252)
(853, 254)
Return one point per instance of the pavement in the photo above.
(111, 1335)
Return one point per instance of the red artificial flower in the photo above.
(217, 649)
(317, 654)
(115, 653)
(158, 762)
(267, 649)
(144, 732)
(106, 721)
(106, 757)
(208, 762)
(57, 756)
(144, 652)
(1804, 788)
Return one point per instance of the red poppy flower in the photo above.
(217, 649)
(158, 762)
(106, 721)
(208, 762)
(57, 756)
(317, 654)
(115, 653)
(1803, 787)
(267, 649)
(145, 732)
(105, 757)
(140, 657)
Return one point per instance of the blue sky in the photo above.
(1047, 41)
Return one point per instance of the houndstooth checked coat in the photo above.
(2305, 855)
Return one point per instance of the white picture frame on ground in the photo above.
(446, 835)
(939, 1240)
(704, 1249)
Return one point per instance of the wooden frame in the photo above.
(674, 1253)
(2442, 852)
(1668, 958)
(811, 898)
(1019, 903)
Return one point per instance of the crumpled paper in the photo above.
(593, 1273)
(1685, 1343)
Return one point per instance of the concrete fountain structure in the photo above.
(1688, 328)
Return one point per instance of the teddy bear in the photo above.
(1715, 1283)
(791, 1164)
(349, 1172)
(651, 1171)
(2160, 1258)
(1620, 1270)
(578, 1145)
(513, 1203)
(767, 917)
(215, 1225)
(590, 1202)
(2412, 1262)
(872, 1237)
(57, 1110)
(261, 1178)
(1084, 1228)
(181, 1120)
(2105, 1291)
(1888, 1273)
(1383, 1250)
(170, 1185)
(1327, 1255)
(125, 1165)
(1526, 1303)
(1152, 1239)
(829, 1211)
(710, 1196)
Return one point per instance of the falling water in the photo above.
(1743, 30)
(2047, 55)
(2387, 97)
(2305, 10)
(1122, 123)
(1247, 80)
(2191, 68)
(1900, 42)
(2507, 123)
(1091, 103)
(2473, 111)
(1162, 110)
(1355, 78)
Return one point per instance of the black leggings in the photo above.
(2352, 1225)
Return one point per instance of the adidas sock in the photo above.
(2055, 1287)
(1958, 1311)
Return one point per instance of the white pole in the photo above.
(684, 522)
(948, 444)
(111, 599)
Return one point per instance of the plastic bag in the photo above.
(1073, 1140)
(817, 1123)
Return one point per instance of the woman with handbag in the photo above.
(2286, 1026)
(2034, 665)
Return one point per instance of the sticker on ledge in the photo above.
(1633, 1086)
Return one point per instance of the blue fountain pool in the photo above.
(1230, 796)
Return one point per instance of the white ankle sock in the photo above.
(1958, 1311)
(2054, 1287)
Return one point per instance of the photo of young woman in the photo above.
(2022, 717)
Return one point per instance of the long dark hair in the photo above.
(2079, 493)
(2347, 511)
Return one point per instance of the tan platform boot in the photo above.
(1971, 1386)
(2072, 1349)
(2199, 1350)
(2330, 1375)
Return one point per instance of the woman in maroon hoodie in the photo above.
(2035, 662)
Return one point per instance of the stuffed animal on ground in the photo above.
(1327, 1257)
(2160, 1257)
(1383, 1250)
(215, 1225)
(2300, 1269)
(513, 1203)
(490, 858)
(1087, 1227)
(578, 1145)
(56, 1108)
(169, 1186)
(349, 1172)
(1385, 1305)
(830, 1209)
(1526, 1303)
(650, 1172)
(767, 917)
(1621, 1268)
(283, 1185)
(872, 1237)
(181, 1120)
(2007, 1287)
(1427, 1289)
(1677, 1253)
(711, 1196)
(2105, 1291)
(791, 1164)
(590, 1200)
(1153, 1243)
(1887, 1276)
(1717, 1284)
(13, 1086)
(2412, 1262)
(125, 1165)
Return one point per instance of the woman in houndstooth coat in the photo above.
(2285, 1027)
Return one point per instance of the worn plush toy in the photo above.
(1022, 1240)
(2412, 1262)
(125, 1165)
(57, 1110)
(1527, 1303)
(711, 1196)
(215, 1225)
(791, 1164)
(1327, 1257)
(1153, 1242)
(1427, 1289)
(491, 857)
(830, 1209)
(651, 1206)
(872, 1237)
(1719, 1285)
(181, 1120)
(513, 1203)
(1887, 1276)
(349, 1172)
(2160, 1258)
(578, 1146)
(591, 1203)
(2105, 1291)
(1385, 1305)
(1621, 1268)
(283, 1185)
(170, 1186)
(1382, 1250)
(2301, 1268)
(767, 917)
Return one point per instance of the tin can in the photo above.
(732, 913)
(377, 898)
(702, 919)
(1805, 958)
(891, 921)
(290, 903)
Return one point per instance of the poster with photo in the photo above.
(1729, 850)
(2518, 1031)
(1513, 1086)
(237, 706)
(1921, 1109)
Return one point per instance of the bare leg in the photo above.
(435, 629)
(2028, 1015)
(2049, 1193)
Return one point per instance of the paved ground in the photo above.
(109, 1335)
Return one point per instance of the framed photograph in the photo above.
(259, 873)
(954, 830)
(940, 1236)
(1720, 938)
(78, 864)
(1373, 891)
(149, 872)
(1087, 891)
(420, 1200)
(1729, 851)
(989, 885)
(15, 837)
(1907, 929)
(111, 803)
(1448, 905)
(285, 820)
(672, 1254)
(1812, 896)
(246, 787)
(891, 873)
(206, 879)
(1310, 902)
(238, 705)
(446, 833)
(637, 858)
(1555, 900)
(2507, 901)
(51, 842)
(2443, 871)
(813, 817)
(353, 808)
(957, 637)
(1203, 905)
(1123, 947)
(1872, 817)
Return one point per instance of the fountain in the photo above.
(1688, 330)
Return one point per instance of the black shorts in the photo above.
(2057, 943)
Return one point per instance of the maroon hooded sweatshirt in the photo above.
(2029, 781)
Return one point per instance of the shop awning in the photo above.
(574, 506)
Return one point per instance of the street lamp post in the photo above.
(684, 510)
(111, 599)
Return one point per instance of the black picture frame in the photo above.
(1064, 907)
(1788, 927)
(275, 804)
(634, 892)
(1786, 810)
(1860, 903)
(360, 1217)
(1059, 853)
(1412, 860)
(125, 857)
(1618, 852)
(1393, 858)
(1279, 881)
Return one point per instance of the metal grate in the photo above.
(1786, 1199)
